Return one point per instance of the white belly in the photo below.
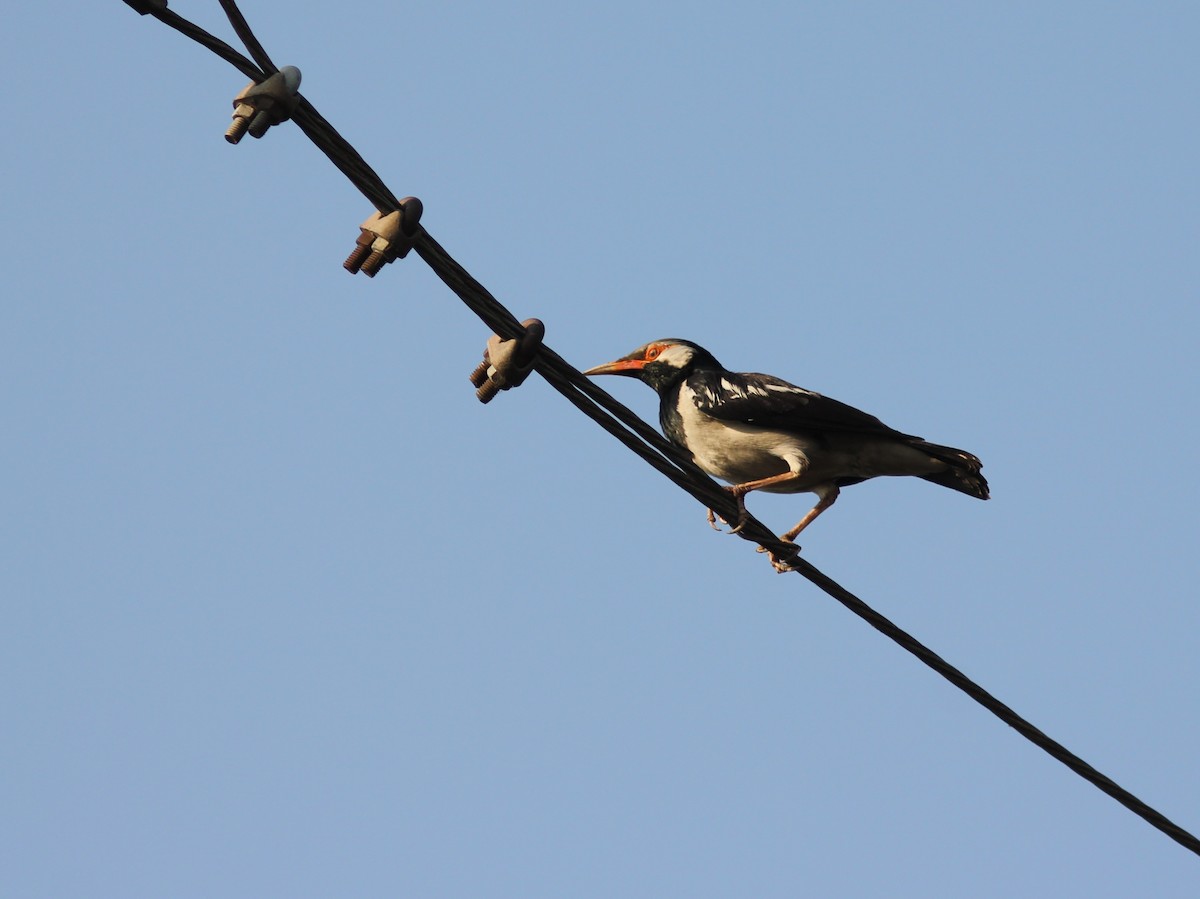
(738, 453)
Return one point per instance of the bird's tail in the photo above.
(963, 473)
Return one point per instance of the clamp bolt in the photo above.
(507, 363)
(260, 105)
(384, 238)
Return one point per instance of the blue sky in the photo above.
(288, 613)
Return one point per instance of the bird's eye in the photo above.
(652, 353)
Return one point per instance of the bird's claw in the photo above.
(743, 512)
(781, 566)
(743, 517)
(780, 562)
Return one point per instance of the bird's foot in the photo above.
(782, 562)
(743, 515)
(743, 512)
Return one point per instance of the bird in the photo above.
(759, 432)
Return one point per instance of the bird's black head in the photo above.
(660, 363)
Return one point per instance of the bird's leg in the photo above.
(739, 492)
(826, 497)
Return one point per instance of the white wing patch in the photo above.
(691, 394)
(739, 390)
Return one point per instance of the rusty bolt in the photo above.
(260, 105)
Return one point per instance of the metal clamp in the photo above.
(263, 104)
(507, 363)
(385, 238)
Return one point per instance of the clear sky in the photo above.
(288, 613)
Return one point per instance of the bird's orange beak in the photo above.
(619, 367)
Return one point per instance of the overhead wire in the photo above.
(242, 29)
(207, 40)
(619, 421)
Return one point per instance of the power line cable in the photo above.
(242, 28)
(614, 417)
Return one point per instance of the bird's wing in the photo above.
(772, 403)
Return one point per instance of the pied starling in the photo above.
(760, 433)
